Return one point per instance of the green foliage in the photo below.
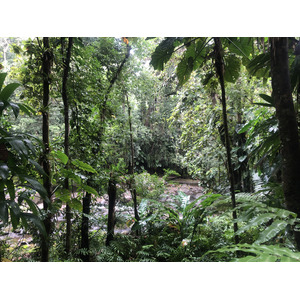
(163, 52)
(83, 166)
(148, 186)
(232, 68)
(168, 173)
(260, 253)
(242, 46)
(259, 66)
(263, 141)
(255, 212)
(15, 171)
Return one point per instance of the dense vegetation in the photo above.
(97, 133)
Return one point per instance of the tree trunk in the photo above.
(288, 131)
(66, 63)
(46, 69)
(220, 72)
(85, 245)
(112, 194)
(131, 169)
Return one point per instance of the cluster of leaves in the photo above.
(18, 169)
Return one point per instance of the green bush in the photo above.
(149, 186)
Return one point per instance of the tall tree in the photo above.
(46, 69)
(112, 195)
(66, 66)
(288, 130)
(85, 243)
(132, 164)
(220, 72)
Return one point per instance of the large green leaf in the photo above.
(28, 110)
(18, 145)
(36, 221)
(274, 229)
(185, 69)
(15, 219)
(33, 207)
(83, 166)
(2, 78)
(241, 46)
(260, 65)
(63, 194)
(61, 156)
(267, 98)
(75, 204)
(8, 91)
(267, 253)
(183, 199)
(4, 171)
(163, 52)
(192, 59)
(71, 175)
(232, 68)
(37, 187)
(38, 167)
(256, 221)
(15, 108)
(11, 189)
(89, 189)
(14, 207)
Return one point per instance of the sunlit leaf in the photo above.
(2, 79)
(83, 166)
(61, 156)
(89, 189)
(8, 91)
(275, 228)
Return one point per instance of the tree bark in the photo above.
(46, 69)
(219, 63)
(85, 244)
(131, 166)
(288, 131)
(112, 194)
(66, 63)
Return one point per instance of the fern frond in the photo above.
(262, 253)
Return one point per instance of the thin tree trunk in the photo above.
(2, 198)
(66, 63)
(132, 164)
(112, 194)
(219, 63)
(46, 69)
(288, 131)
(85, 244)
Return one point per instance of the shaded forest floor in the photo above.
(20, 239)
